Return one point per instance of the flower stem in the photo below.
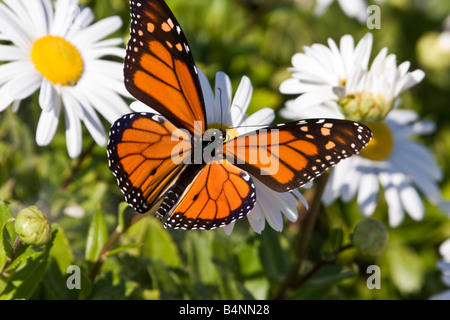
(318, 266)
(114, 236)
(304, 239)
(77, 165)
(13, 254)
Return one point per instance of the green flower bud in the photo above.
(370, 237)
(364, 107)
(32, 227)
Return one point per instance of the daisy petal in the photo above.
(241, 101)
(368, 192)
(47, 125)
(73, 126)
(47, 95)
(395, 210)
(223, 99)
(260, 118)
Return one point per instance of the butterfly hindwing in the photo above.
(219, 194)
(287, 156)
(145, 153)
(159, 67)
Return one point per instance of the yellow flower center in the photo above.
(343, 82)
(231, 133)
(57, 60)
(382, 143)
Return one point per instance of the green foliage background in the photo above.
(256, 38)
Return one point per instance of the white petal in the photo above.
(421, 181)
(47, 95)
(260, 118)
(411, 201)
(11, 28)
(445, 295)
(395, 210)
(138, 106)
(347, 47)
(363, 50)
(368, 192)
(208, 96)
(90, 119)
(96, 32)
(321, 7)
(65, 13)
(422, 161)
(354, 9)
(223, 94)
(47, 125)
(316, 97)
(83, 18)
(108, 74)
(444, 250)
(229, 228)
(350, 185)
(325, 110)
(24, 85)
(10, 70)
(107, 102)
(256, 219)
(241, 101)
(10, 53)
(38, 17)
(73, 126)
(408, 81)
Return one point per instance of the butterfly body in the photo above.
(200, 178)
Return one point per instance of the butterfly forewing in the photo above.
(144, 156)
(287, 156)
(159, 67)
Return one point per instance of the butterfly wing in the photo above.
(146, 152)
(287, 156)
(159, 67)
(219, 194)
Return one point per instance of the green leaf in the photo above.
(273, 258)
(54, 283)
(6, 233)
(61, 251)
(97, 237)
(123, 248)
(121, 216)
(200, 257)
(167, 282)
(323, 283)
(30, 268)
(405, 266)
(157, 244)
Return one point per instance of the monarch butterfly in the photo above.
(154, 158)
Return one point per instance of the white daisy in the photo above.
(353, 9)
(224, 112)
(444, 266)
(57, 51)
(338, 83)
(404, 168)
